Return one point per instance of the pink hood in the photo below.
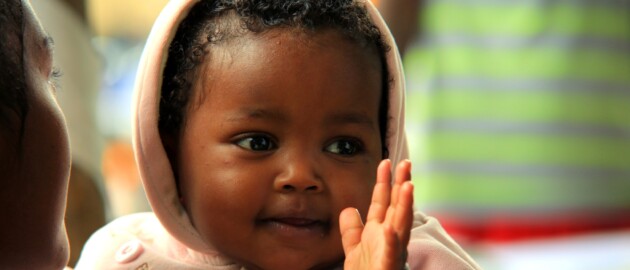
(155, 169)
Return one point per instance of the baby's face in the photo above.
(282, 134)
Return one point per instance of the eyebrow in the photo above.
(350, 118)
(337, 119)
(256, 113)
(49, 43)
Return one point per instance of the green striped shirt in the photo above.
(521, 106)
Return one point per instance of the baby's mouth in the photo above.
(296, 227)
(296, 222)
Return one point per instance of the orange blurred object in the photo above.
(119, 166)
(122, 180)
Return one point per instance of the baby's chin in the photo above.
(296, 263)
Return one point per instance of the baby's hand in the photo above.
(382, 242)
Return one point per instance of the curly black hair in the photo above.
(211, 22)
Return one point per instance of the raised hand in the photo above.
(382, 242)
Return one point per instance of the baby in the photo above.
(259, 130)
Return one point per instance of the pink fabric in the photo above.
(430, 247)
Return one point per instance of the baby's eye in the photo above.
(256, 143)
(345, 147)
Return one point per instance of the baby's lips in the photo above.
(295, 210)
(297, 221)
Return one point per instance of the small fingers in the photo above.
(351, 228)
(381, 194)
(403, 216)
(403, 175)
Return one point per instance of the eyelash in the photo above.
(56, 72)
(55, 75)
(245, 142)
(357, 147)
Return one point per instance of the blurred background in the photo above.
(518, 119)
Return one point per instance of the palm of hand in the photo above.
(378, 249)
(380, 243)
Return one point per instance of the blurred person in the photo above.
(81, 68)
(34, 149)
(402, 19)
(518, 115)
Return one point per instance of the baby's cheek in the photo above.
(359, 197)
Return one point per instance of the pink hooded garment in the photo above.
(166, 238)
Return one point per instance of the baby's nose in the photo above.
(299, 176)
